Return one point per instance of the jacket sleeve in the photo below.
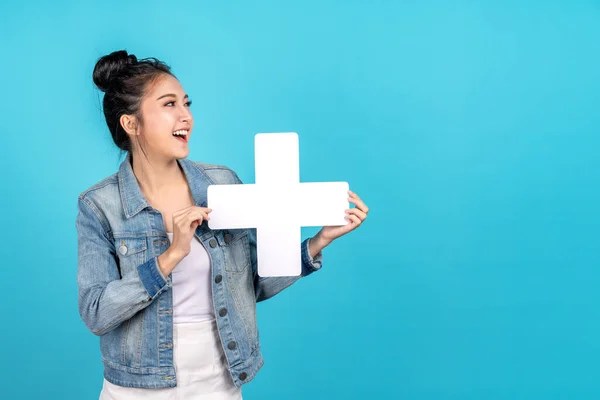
(269, 286)
(105, 298)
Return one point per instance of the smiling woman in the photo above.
(159, 337)
(174, 302)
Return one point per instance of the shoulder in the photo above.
(219, 174)
(108, 184)
(101, 196)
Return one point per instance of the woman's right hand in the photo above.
(185, 222)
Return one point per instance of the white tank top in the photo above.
(192, 298)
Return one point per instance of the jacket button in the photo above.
(228, 238)
(243, 376)
(231, 345)
(223, 312)
(218, 278)
(123, 249)
(213, 243)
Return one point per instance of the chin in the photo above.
(182, 154)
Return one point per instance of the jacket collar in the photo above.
(133, 200)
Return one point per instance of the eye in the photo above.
(189, 103)
(171, 102)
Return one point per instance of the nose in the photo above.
(186, 115)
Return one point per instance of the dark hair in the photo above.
(124, 79)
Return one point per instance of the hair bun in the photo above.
(109, 67)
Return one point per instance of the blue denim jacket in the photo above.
(124, 298)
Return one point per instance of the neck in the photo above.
(156, 176)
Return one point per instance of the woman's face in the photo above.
(165, 112)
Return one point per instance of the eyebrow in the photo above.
(171, 94)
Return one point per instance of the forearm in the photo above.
(104, 306)
(317, 244)
(267, 287)
(167, 261)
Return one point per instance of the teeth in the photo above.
(182, 132)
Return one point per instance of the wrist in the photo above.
(322, 241)
(168, 260)
(317, 243)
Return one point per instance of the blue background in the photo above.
(469, 128)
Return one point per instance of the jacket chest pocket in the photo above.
(234, 243)
(131, 252)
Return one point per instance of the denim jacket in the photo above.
(124, 298)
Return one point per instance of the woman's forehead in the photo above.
(166, 84)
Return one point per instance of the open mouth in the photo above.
(181, 135)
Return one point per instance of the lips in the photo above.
(181, 138)
(181, 135)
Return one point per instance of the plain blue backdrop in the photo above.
(469, 128)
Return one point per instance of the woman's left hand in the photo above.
(356, 216)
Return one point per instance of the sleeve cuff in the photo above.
(310, 264)
(152, 277)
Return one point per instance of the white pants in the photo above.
(200, 367)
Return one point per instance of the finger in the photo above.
(353, 195)
(196, 210)
(346, 228)
(355, 221)
(187, 210)
(349, 226)
(188, 219)
(202, 212)
(194, 222)
(361, 215)
(359, 204)
(181, 214)
(195, 214)
(183, 211)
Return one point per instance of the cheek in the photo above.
(165, 119)
(159, 126)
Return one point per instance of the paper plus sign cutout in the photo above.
(278, 205)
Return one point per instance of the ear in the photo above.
(129, 124)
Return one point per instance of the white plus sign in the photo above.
(277, 205)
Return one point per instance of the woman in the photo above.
(173, 301)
